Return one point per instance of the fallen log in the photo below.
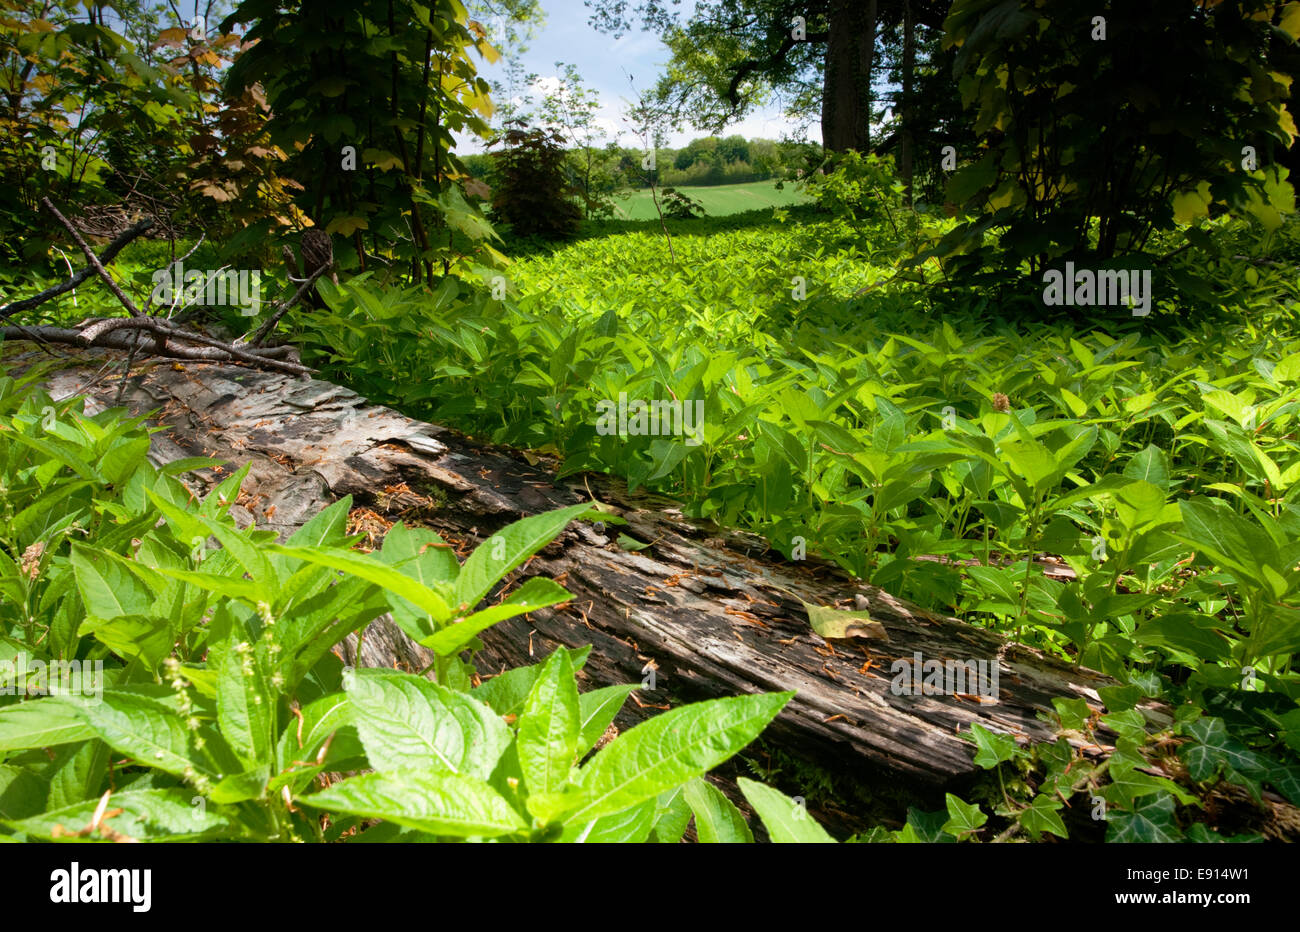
(155, 335)
(707, 612)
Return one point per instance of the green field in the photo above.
(718, 200)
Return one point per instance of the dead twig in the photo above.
(106, 257)
(265, 330)
(156, 343)
(93, 259)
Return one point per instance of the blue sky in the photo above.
(605, 63)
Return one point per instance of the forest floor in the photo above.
(941, 443)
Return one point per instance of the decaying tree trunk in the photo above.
(710, 612)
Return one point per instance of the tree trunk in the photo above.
(846, 93)
(906, 139)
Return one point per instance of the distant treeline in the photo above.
(709, 160)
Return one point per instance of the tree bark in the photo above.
(906, 139)
(850, 57)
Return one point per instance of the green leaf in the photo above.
(1288, 370)
(598, 709)
(144, 729)
(1074, 713)
(670, 749)
(963, 818)
(510, 547)
(548, 729)
(992, 747)
(303, 737)
(717, 820)
(245, 699)
(371, 569)
(107, 589)
(40, 723)
(631, 826)
(672, 815)
(134, 636)
(22, 792)
(327, 528)
(1212, 748)
(1276, 631)
(1041, 816)
(1150, 465)
(536, 592)
(786, 821)
(1226, 537)
(56, 450)
(1031, 460)
(1189, 205)
(146, 815)
(405, 721)
(1185, 632)
(440, 803)
(423, 556)
(189, 464)
(924, 828)
(245, 553)
(506, 692)
(1150, 821)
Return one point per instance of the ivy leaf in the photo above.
(1073, 713)
(924, 828)
(1041, 816)
(1211, 748)
(1150, 821)
(963, 818)
(1286, 780)
(993, 747)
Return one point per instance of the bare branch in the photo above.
(265, 330)
(93, 259)
(122, 335)
(109, 254)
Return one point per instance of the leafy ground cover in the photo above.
(923, 440)
(929, 440)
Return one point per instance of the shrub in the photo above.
(532, 192)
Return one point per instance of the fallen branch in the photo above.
(106, 257)
(93, 259)
(158, 342)
(265, 330)
(157, 336)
